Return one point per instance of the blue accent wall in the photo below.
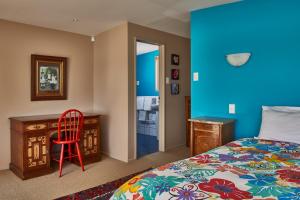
(270, 30)
(145, 74)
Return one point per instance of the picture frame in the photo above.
(175, 59)
(175, 74)
(48, 78)
(174, 89)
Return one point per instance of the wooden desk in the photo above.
(30, 141)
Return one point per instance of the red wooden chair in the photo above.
(70, 125)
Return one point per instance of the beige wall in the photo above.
(100, 79)
(114, 86)
(111, 90)
(18, 42)
(174, 105)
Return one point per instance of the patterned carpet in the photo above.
(101, 192)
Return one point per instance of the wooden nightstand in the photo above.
(208, 133)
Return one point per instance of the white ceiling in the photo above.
(142, 48)
(95, 16)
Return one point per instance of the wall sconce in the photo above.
(238, 59)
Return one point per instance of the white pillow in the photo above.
(280, 123)
(282, 108)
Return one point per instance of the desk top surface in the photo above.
(47, 117)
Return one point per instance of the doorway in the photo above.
(149, 97)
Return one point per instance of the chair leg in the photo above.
(70, 152)
(79, 156)
(61, 160)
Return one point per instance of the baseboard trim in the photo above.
(131, 159)
(109, 155)
(174, 147)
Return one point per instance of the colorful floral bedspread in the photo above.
(243, 169)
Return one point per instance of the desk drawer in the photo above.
(197, 126)
(91, 121)
(55, 125)
(35, 127)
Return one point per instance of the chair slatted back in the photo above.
(70, 125)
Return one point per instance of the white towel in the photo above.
(147, 103)
(140, 103)
(142, 115)
(152, 117)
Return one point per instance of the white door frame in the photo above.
(161, 130)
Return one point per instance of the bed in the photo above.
(244, 169)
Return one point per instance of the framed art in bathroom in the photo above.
(174, 88)
(174, 59)
(175, 74)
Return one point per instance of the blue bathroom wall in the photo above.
(145, 74)
(270, 30)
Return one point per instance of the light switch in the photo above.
(137, 83)
(231, 108)
(167, 80)
(195, 76)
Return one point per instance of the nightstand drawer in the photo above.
(204, 133)
(206, 127)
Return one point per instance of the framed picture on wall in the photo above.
(174, 88)
(174, 59)
(48, 78)
(175, 74)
